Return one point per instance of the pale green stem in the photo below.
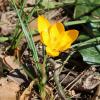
(91, 42)
(69, 23)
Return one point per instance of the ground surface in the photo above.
(79, 79)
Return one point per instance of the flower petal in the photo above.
(51, 52)
(62, 44)
(45, 38)
(43, 24)
(55, 32)
(64, 47)
(72, 34)
(67, 38)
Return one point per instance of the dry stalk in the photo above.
(27, 91)
(56, 78)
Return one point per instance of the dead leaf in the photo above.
(26, 94)
(8, 23)
(8, 89)
(11, 62)
(91, 81)
(31, 2)
(18, 76)
(3, 5)
(97, 94)
(33, 24)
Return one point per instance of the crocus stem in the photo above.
(43, 92)
(44, 75)
(44, 79)
(56, 77)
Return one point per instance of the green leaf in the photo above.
(89, 47)
(96, 13)
(87, 8)
(53, 4)
(91, 30)
(90, 50)
(91, 54)
(3, 39)
(67, 1)
(83, 37)
(29, 39)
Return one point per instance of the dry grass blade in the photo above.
(27, 91)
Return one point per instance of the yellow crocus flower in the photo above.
(54, 36)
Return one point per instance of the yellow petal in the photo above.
(43, 24)
(72, 34)
(67, 38)
(45, 38)
(51, 52)
(55, 32)
(64, 47)
(64, 43)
